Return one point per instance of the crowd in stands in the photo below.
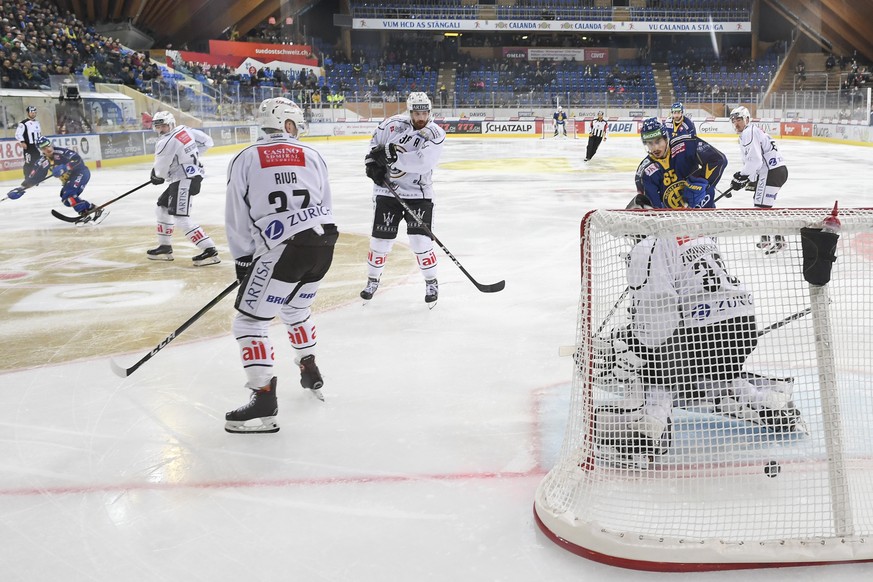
(39, 41)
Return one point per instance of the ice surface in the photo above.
(437, 426)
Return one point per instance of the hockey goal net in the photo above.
(769, 463)
(548, 129)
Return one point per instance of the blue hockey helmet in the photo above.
(43, 142)
(652, 128)
(677, 107)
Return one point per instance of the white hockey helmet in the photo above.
(274, 112)
(560, 109)
(740, 112)
(164, 118)
(418, 101)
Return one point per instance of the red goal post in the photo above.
(728, 493)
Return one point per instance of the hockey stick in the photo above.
(125, 372)
(66, 218)
(726, 194)
(785, 321)
(570, 350)
(493, 288)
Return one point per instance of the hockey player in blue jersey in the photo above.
(560, 118)
(67, 166)
(679, 123)
(667, 175)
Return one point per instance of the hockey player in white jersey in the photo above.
(281, 233)
(692, 327)
(764, 171)
(177, 160)
(404, 149)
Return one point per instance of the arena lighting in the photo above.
(451, 34)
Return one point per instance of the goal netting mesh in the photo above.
(767, 454)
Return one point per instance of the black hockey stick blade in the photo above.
(66, 218)
(123, 372)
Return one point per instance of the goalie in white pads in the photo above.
(692, 327)
(405, 149)
(764, 171)
(177, 159)
(280, 230)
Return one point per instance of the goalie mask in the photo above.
(273, 113)
(416, 103)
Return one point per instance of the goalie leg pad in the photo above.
(631, 428)
(763, 401)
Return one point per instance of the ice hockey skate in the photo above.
(161, 253)
(94, 218)
(431, 292)
(262, 407)
(207, 257)
(370, 289)
(310, 376)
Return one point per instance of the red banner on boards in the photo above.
(299, 54)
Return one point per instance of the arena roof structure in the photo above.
(178, 21)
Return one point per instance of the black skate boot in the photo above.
(310, 376)
(262, 406)
(162, 253)
(370, 289)
(207, 257)
(431, 292)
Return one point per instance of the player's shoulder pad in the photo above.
(747, 135)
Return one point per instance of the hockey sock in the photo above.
(376, 257)
(422, 246)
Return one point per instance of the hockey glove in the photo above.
(699, 193)
(752, 186)
(377, 172)
(243, 264)
(16, 193)
(383, 155)
(739, 181)
(58, 171)
(155, 179)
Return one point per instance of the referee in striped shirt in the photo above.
(597, 135)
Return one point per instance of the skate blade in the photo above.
(268, 425)
(209, 261)
(431, 305)
(160, 257)
(317, 393)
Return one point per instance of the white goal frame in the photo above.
(762, 502)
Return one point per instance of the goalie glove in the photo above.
(620, 356)
(739, 181)
(242, 265)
